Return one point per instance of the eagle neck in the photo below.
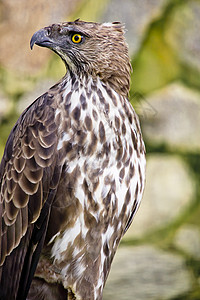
(85, 80)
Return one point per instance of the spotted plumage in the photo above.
(72, 174)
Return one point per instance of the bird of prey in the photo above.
(73, 170)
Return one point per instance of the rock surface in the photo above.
(144, 272)
(183, 32)
(19, 20)
(188, 240)
(176, 118)
(136, 15)
(164, 40)
(165, 196)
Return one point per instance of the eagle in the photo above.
(73, 170)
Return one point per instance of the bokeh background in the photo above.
(159, 258)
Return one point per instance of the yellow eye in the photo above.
(77, 38)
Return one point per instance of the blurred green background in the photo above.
(159, 258)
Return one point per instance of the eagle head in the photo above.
(96, 49)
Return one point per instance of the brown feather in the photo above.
(22, 175)
(72, 173)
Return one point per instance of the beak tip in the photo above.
(40, 38)
(31, 46)
(32, 41)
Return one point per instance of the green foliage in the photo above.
(13, 84)
(90, 10)
(156, 63)
(158, 60)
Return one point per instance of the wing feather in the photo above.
(29, 175)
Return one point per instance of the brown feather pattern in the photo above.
(21, 187)
(72, 174)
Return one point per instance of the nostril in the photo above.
(48, 31)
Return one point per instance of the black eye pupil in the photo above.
(77, 38)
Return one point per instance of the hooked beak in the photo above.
(41, 38)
